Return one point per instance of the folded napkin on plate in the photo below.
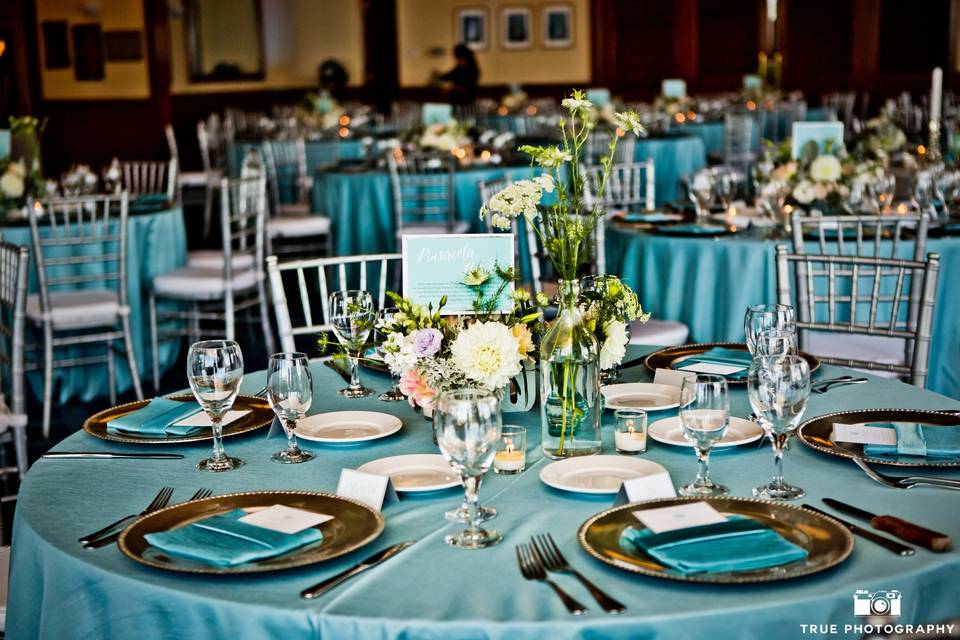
(654, 216)
(157, 419)
(739, 544)
(719, 355)
(914, 440)
(224, 541)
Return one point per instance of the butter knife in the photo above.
(886, 543)
(343, 374)
(91, 455)
(898, 527)
(321, 588)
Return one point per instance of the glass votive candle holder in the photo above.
(511, 457)
(630, 436)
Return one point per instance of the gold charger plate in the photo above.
(354, 525)
(827, 542)
(665, 358)
(260, 415)
(816, 433)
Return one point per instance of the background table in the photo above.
(707, 283)
(156, 244)
(59, 590)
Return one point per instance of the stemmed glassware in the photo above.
(704, 415)
(352, 317)
(215, 371)
(778, 387)
(384, 318)
(726, 182)
(290, 394)
(467, 424)
(702, 192)
(775, 342)
(763, 317)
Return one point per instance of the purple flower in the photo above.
(426, 342)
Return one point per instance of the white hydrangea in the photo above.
(572, 104)
(614, 345)
(398, 353)
(519, 199)
(825, 168)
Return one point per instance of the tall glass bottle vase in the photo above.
(570, 406)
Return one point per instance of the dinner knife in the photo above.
(91, 455)
(907, 531)
(321, 588)
(887, 543)
(631, 363)
(343, 374)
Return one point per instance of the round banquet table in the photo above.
(156, 244)
(59, 590)
(707, 283)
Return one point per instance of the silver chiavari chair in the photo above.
(842, 104)
(80, 251)
(741, 139)
(14, 272)
(598, 147)
(300, 279)
(147, 177)
(519, 227)
(293, 227)
(423, 194)
(630, 186)
(217, 293)
(782, 117)
(862, 296)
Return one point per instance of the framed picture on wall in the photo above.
(473, 27)
(556, 24)
(516, 28)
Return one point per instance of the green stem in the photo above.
(563, 405)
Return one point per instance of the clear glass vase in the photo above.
(570, 405)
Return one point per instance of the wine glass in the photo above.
(384, 319)
(762, 317)
(215, 371)
(702, 192)
(775, 342)
(883, 189)
(351, 316)
(726, 181)
(467, 424)
(704, 414)
(290, 394)
(778, 387)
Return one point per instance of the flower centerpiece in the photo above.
(569, 353)
(448, 137)
(609, 306)
(21, 177)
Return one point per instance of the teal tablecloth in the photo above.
(319, 152)
(59, 590)
(674, 157)
(157, 243)
(708, 283)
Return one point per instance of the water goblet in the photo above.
(290, 394)
(352, 317)
(762, 317)
(215, 371)
(704, 414)
(778, 388)
(702, 192)
(775, 342)
(384, 319)
(467, 424)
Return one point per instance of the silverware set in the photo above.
(897, 482)
(822, 386)
(541, 556)
(111, 533)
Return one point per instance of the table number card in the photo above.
(371, 489)
(4, 144)
(599, 97)
(673, 88)
(436, 113)
(752, 82)
(657, 485)
(819, 132)
(681, 516)
(457, 266)
(285, 519)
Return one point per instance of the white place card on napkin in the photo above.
(372, 489)
(672, 377)
(657, 485)
(201, 419)
(860, 433)
(285, 519)
(714, 368)
(681, 516)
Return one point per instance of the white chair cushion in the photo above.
(214, 258)
(77, 309)
(200, 283)
(200, 178)
(667, 333)
(298, 226)
(295, 209)
(852, 346)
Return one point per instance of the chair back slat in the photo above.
(423, 192)
(243, 205)
(629, 186)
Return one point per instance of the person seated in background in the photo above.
(461, 81)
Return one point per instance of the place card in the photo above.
(673, 88)
(285, 519)
(681, 516)
(752, 82)
(862, 434)
(657, 485)
(457, 266)
(819, 132)
(672, 377)
(436, 113)
(712, 367)
(4, 144)
(201, 419)
(372, 489)
(599, 97)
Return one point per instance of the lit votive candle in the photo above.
(511, 457)
(630, 436)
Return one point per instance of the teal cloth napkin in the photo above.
(739, 544)
(719, 355)
(695, 229)
(914, 440)
(224, 541)
(654, 216)
(157, 419)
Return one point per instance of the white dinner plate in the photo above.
(596, 474)
(415, 472)
(346, 427)
(739, 431)
(648, 396)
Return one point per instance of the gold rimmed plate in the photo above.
(353, 526)
(826, 541)
(673, 357)
(259, 414)
(817, 434)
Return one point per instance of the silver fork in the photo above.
(113, 537)
(554, 560)
(532, 569)
(906, 482)
(160, 500)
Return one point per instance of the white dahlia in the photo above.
(487, 353)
